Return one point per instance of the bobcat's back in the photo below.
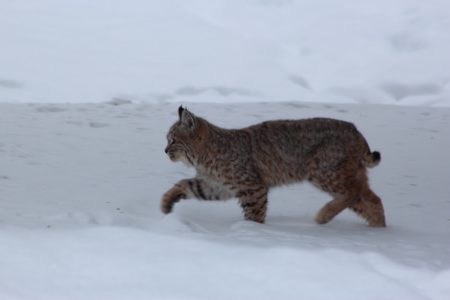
(284, 151)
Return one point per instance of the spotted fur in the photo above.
(245, 163)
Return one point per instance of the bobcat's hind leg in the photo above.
(332, 208)
(200, 188)
(345, 184)
(370, 207)
(254, 203)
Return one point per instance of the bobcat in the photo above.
(246, 163)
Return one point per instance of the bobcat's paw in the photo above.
(322, 218)
(166, 207)
(170, 198)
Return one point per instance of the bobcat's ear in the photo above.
(180, 111)
(186, 118)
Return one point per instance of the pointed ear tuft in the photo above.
(180, 111)
(188, 119)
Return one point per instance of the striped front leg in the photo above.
(172, 196)
(197, 187)
(253, 201)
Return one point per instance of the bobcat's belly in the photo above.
(277, 171)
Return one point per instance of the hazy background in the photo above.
(391, 52)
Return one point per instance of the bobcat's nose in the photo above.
(166, 150)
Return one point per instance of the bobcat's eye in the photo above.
(172, 141)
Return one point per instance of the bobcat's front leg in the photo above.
(197, 187)
(253, 201)
(172, 196)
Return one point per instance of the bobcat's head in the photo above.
(182, 137)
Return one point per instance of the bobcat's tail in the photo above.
(372, 159)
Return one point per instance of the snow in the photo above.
(390, 52)
(80, 190)
(88, 90)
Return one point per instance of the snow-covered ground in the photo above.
(88, 90)
(384, 51)
(80, 186)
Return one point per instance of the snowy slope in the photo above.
(384, 51)
(79, 194)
